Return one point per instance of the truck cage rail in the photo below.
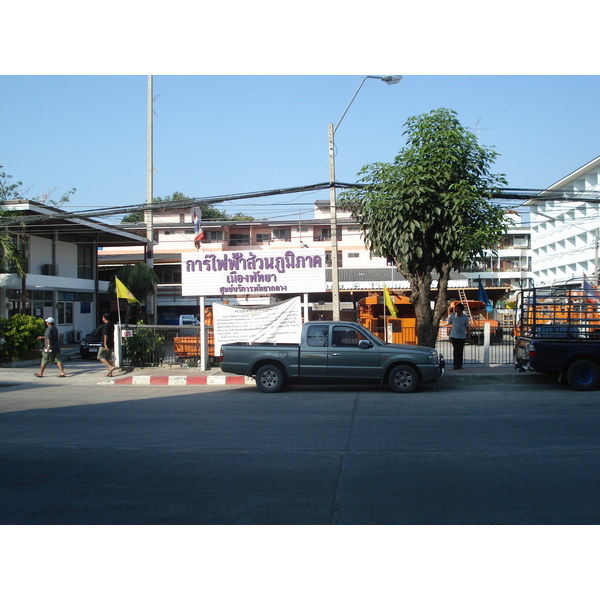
(565, 312)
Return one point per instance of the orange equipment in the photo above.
(374, 315)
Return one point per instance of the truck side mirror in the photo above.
(364, 344)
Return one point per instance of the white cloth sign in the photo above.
(281, 322)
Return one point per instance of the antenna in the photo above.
(478, 129)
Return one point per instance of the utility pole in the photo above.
(148, 216)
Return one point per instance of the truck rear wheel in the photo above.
(403, 379)
(269, 379)
(583, 375)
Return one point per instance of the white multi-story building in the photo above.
(509, 264)
(565, 225)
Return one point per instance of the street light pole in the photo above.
(335, 281)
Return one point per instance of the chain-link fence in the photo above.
(151, 345)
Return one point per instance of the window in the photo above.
(85, 262)
(239, 239)
(213, 236)
(282, 234)
(353, 254)
(263, 238)
(346, 337)
(325, 235)
(167, 275)
(328, 259)
(316, 335)
(64, 313)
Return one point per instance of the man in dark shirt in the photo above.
(51, 351)
(108, 344)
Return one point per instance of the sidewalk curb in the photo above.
(483, 377)
(180, 380)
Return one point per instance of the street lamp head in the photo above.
(392, 79)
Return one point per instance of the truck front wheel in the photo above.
(269, 379)
(403, 379)
(583, 375)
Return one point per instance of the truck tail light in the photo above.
(221, 356)
(532, 353)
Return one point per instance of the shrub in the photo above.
(146, 347)
(18, 338)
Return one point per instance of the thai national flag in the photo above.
(590, 292)
(198, 233)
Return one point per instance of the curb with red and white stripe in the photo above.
(221, 379)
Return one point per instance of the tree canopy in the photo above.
(209, 212)
(140, 280)
(429, 211)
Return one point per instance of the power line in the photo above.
(505, 194)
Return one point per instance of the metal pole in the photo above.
(148, 216)
(335, 282)
(596, 275)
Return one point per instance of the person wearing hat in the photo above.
(51, 351)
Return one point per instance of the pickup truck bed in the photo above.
(559, 332)
(333, 352)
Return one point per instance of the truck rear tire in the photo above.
(269, 379)
(583, 375)
(403, 379)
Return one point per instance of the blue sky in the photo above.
(244, 93)
(218, 135)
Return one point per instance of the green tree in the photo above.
(209, 212)
(140, 280)
(429, 211)
(10, 256)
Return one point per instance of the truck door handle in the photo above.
(335, 354)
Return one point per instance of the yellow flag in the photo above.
(123, 292)
(388, 302)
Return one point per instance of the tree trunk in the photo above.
(428, 319)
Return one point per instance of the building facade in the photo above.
(360, 273)
(61, 257)
(565, 225)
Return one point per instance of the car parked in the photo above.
(91, 343)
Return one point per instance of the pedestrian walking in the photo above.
(459, 332)
(105, 354)
(51, 351)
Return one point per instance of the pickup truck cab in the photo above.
(333, 352)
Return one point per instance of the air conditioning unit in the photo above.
(76, 336)
(50, 270)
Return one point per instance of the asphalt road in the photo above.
(448, 454)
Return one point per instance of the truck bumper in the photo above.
(433, 372)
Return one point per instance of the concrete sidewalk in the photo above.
(90, 372)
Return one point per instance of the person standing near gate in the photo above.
(108, 344)
(459, 332)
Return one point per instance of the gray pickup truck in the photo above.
(333, 352)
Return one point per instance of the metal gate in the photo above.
(154, 345)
